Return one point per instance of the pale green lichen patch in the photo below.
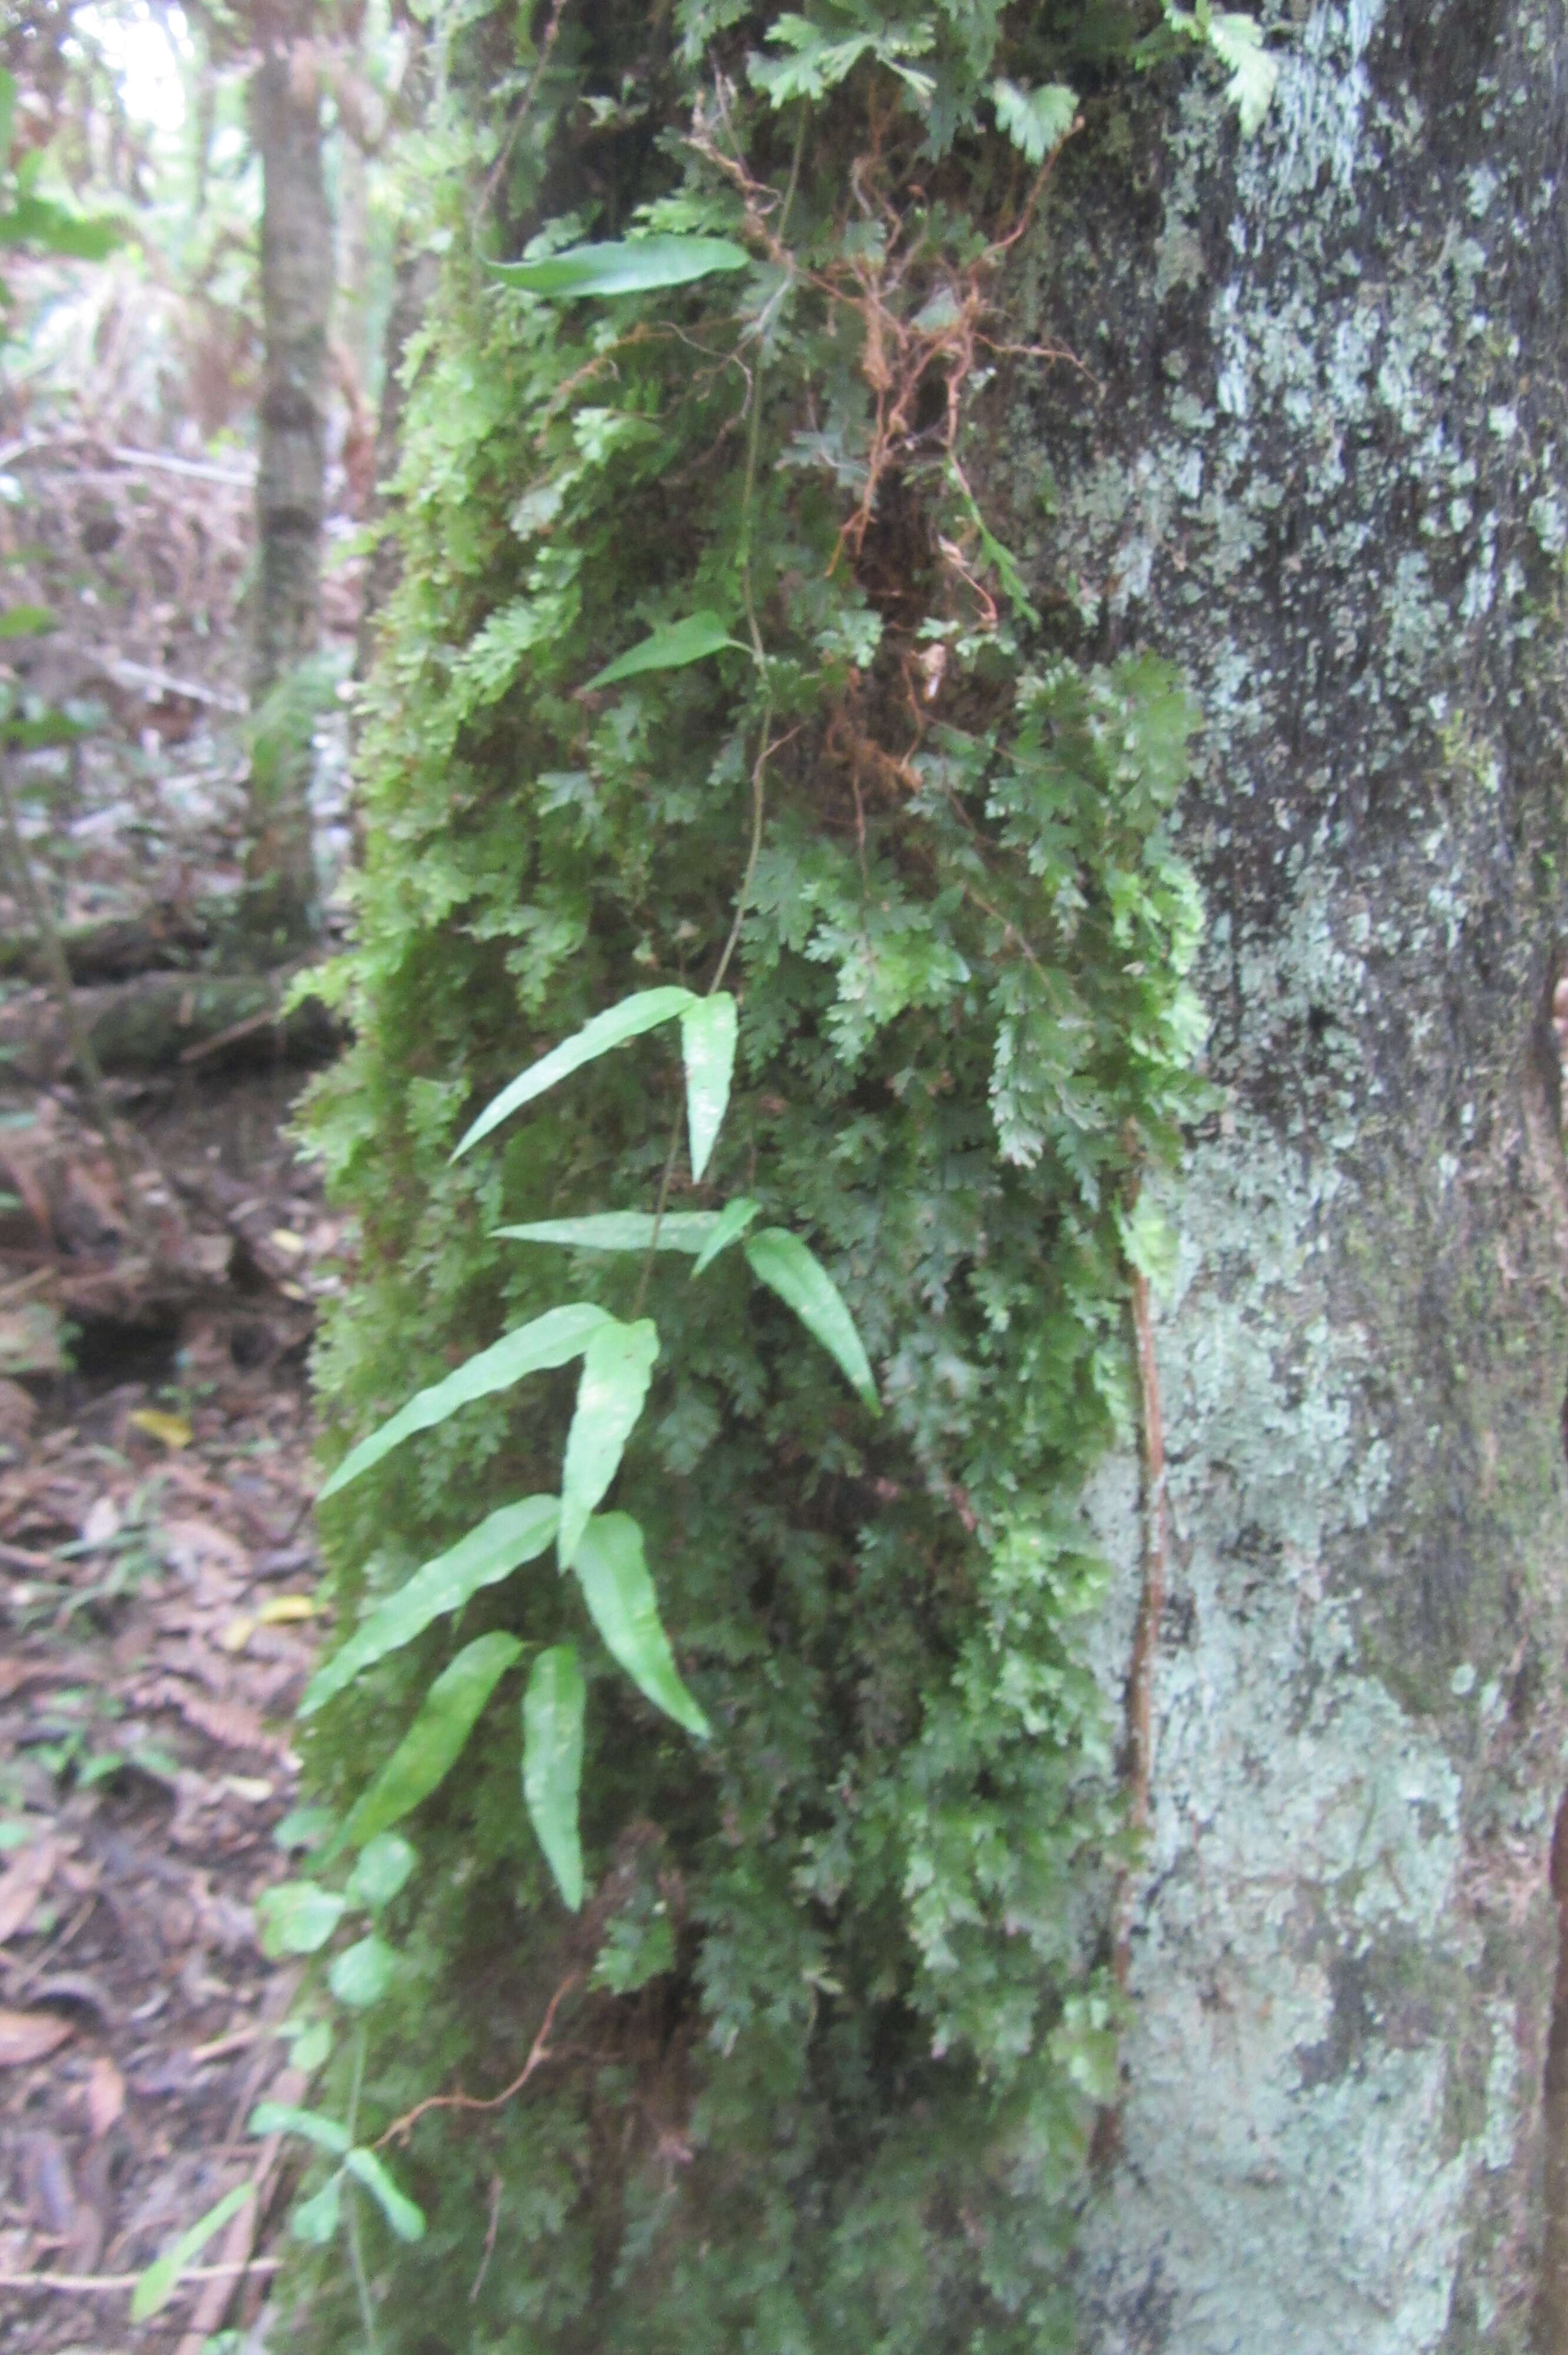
(1327, 475)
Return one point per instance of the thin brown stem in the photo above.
(538, 2053)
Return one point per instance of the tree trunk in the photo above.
(296, 299)
(1324, 473)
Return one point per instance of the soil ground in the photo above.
(157, 1567)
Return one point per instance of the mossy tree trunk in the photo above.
(297, 270)
(1318, 468)
(1326, 472)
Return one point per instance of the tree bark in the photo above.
(296, 302)
(1325, 473)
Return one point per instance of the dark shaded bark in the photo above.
(296, 298)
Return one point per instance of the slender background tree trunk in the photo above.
(297, 266)
(1326, 472)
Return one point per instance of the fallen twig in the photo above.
(88, 2283)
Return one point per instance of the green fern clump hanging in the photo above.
(811, 929)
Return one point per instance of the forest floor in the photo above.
(157, 1564)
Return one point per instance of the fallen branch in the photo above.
(149, 1023)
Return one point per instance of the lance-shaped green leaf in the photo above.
(162, 2278)
(612, 1571)
(635, 266)
(284, 2117)
(407, 2220)
(553, 1764)
(552, 1340)
(435, 1740)
(618, 1366)
(707, 1044)
(622, 1230)
(671, 647)
(500, 1544)
(782, 1261)
(643, 1011)
(732, 1220)
(297, 1917)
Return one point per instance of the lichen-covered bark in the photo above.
(1329, 471)
(296, 301)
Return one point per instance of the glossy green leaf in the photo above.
(286, 2117)
(553, 1764)
(618, 1366)
(383, 1866)
(612, 1571)
(635, 266)
(162, 2278)
(502, 1543)
(407, 2220)
(642, 1011)
(297, 1918)
(622, 1230)
(782, 1261)
(671, 647)
(552, 1340)
(432, 1744)
(707, 1043)
(732, 1221)
(315, 2220)
(362, 1974)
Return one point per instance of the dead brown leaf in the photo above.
(105, 2095)
(192, 1546)
(22, 1884)
(29, 2036)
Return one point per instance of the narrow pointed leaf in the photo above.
(284, 2117)
(435, 1740)
(622, 1230)
(552, 1340)
(643, 1011)
(782, 1261)
(671, 647)
(613, 1575)
(553, 1764)
(618, 1366)
(732, 1220)
(315, 2220)
(707, 1043)
(162, 2278)
(635, 266)
(407, 2220)
(500, 1544)
(362, 1974)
